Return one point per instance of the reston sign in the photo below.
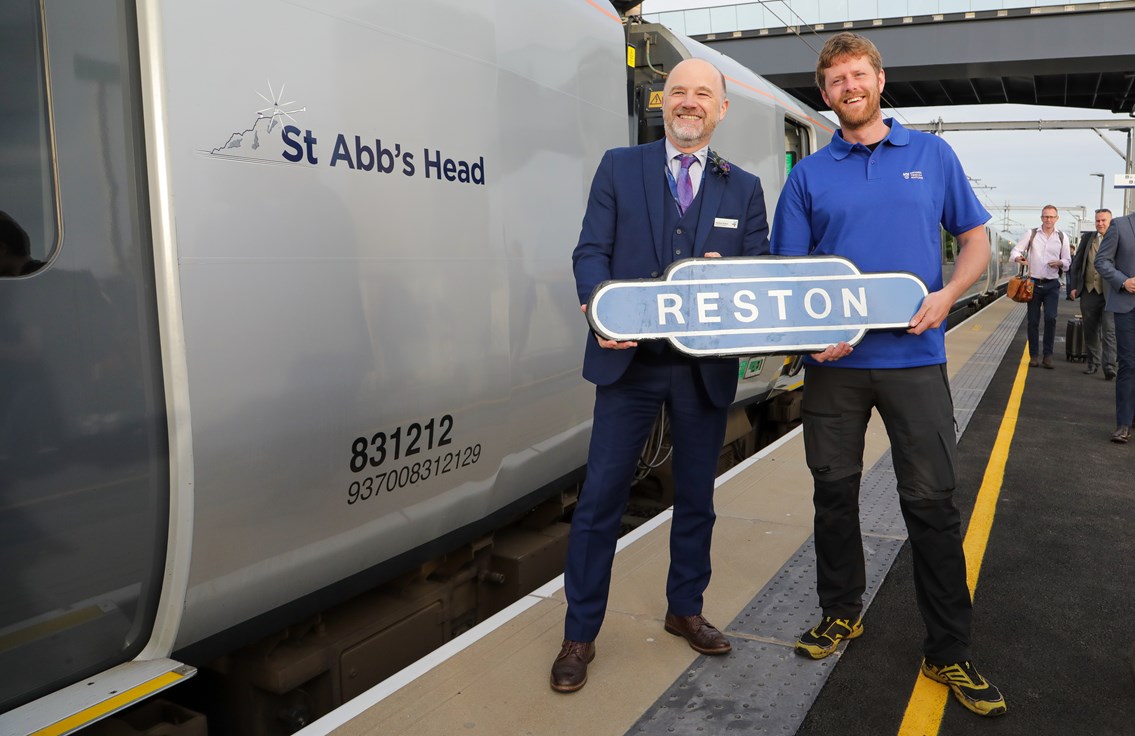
(741, 306)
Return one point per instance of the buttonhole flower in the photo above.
(717, 164)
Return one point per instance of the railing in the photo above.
(781, 13)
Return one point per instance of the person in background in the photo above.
(1116, 264)
(1085, 281)
(877, 195)
(649, 206)
(1045, 251)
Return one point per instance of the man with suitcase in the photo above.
(1085, 282)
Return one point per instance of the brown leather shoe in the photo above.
(569, 671)
(1121, 435)
(1033, 362)
(1047, 362)
(700, 634)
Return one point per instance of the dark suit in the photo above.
(1076, 270)
(1116, 263)
(1099, 327)
(632, 229)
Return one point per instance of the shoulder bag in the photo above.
(1020, 287)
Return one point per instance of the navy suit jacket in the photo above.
(622, 238)
(1116, 262)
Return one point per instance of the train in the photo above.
(295, 317)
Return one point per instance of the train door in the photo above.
(798, 143)
(949, 252)
(84, 472)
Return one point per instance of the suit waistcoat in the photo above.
(1092, 280)
(679, 231)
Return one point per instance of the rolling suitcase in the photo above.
(1074, 340)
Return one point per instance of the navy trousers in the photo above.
(1125, 377)
(1046, 295)
(624, 414)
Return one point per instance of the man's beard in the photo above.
(868, 112)
(689, 132)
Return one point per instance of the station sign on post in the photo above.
(745, 306)
(1125, 181)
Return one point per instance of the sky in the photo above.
(1024, 169)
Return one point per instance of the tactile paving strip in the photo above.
(763, 686)
(755, 689)
(968, 386)
(788, 603)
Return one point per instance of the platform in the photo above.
(1052, 602)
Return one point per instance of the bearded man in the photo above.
(877, 195)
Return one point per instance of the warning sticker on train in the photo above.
(741, 306)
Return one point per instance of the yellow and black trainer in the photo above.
(970, 688)
(822, 640)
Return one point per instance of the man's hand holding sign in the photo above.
(615, 344)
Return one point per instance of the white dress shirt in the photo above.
(1045, 248)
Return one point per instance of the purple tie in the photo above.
(685, 186)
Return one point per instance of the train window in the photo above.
(797, 144)
(28, 230)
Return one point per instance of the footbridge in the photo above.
(938, 52)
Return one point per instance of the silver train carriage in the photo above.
(295, 311)
(987, 287)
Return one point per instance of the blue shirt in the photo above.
(881, 210)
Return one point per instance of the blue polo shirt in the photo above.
(881, 210)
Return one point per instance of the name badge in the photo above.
(724, 222)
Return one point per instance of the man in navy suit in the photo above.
(650, 206)
(1085, 282)
(1116, 264)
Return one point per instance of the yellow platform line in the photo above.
(923, 715)
(106, 707)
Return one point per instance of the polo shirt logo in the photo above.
(912, 175)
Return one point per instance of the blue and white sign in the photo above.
(742, 306)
